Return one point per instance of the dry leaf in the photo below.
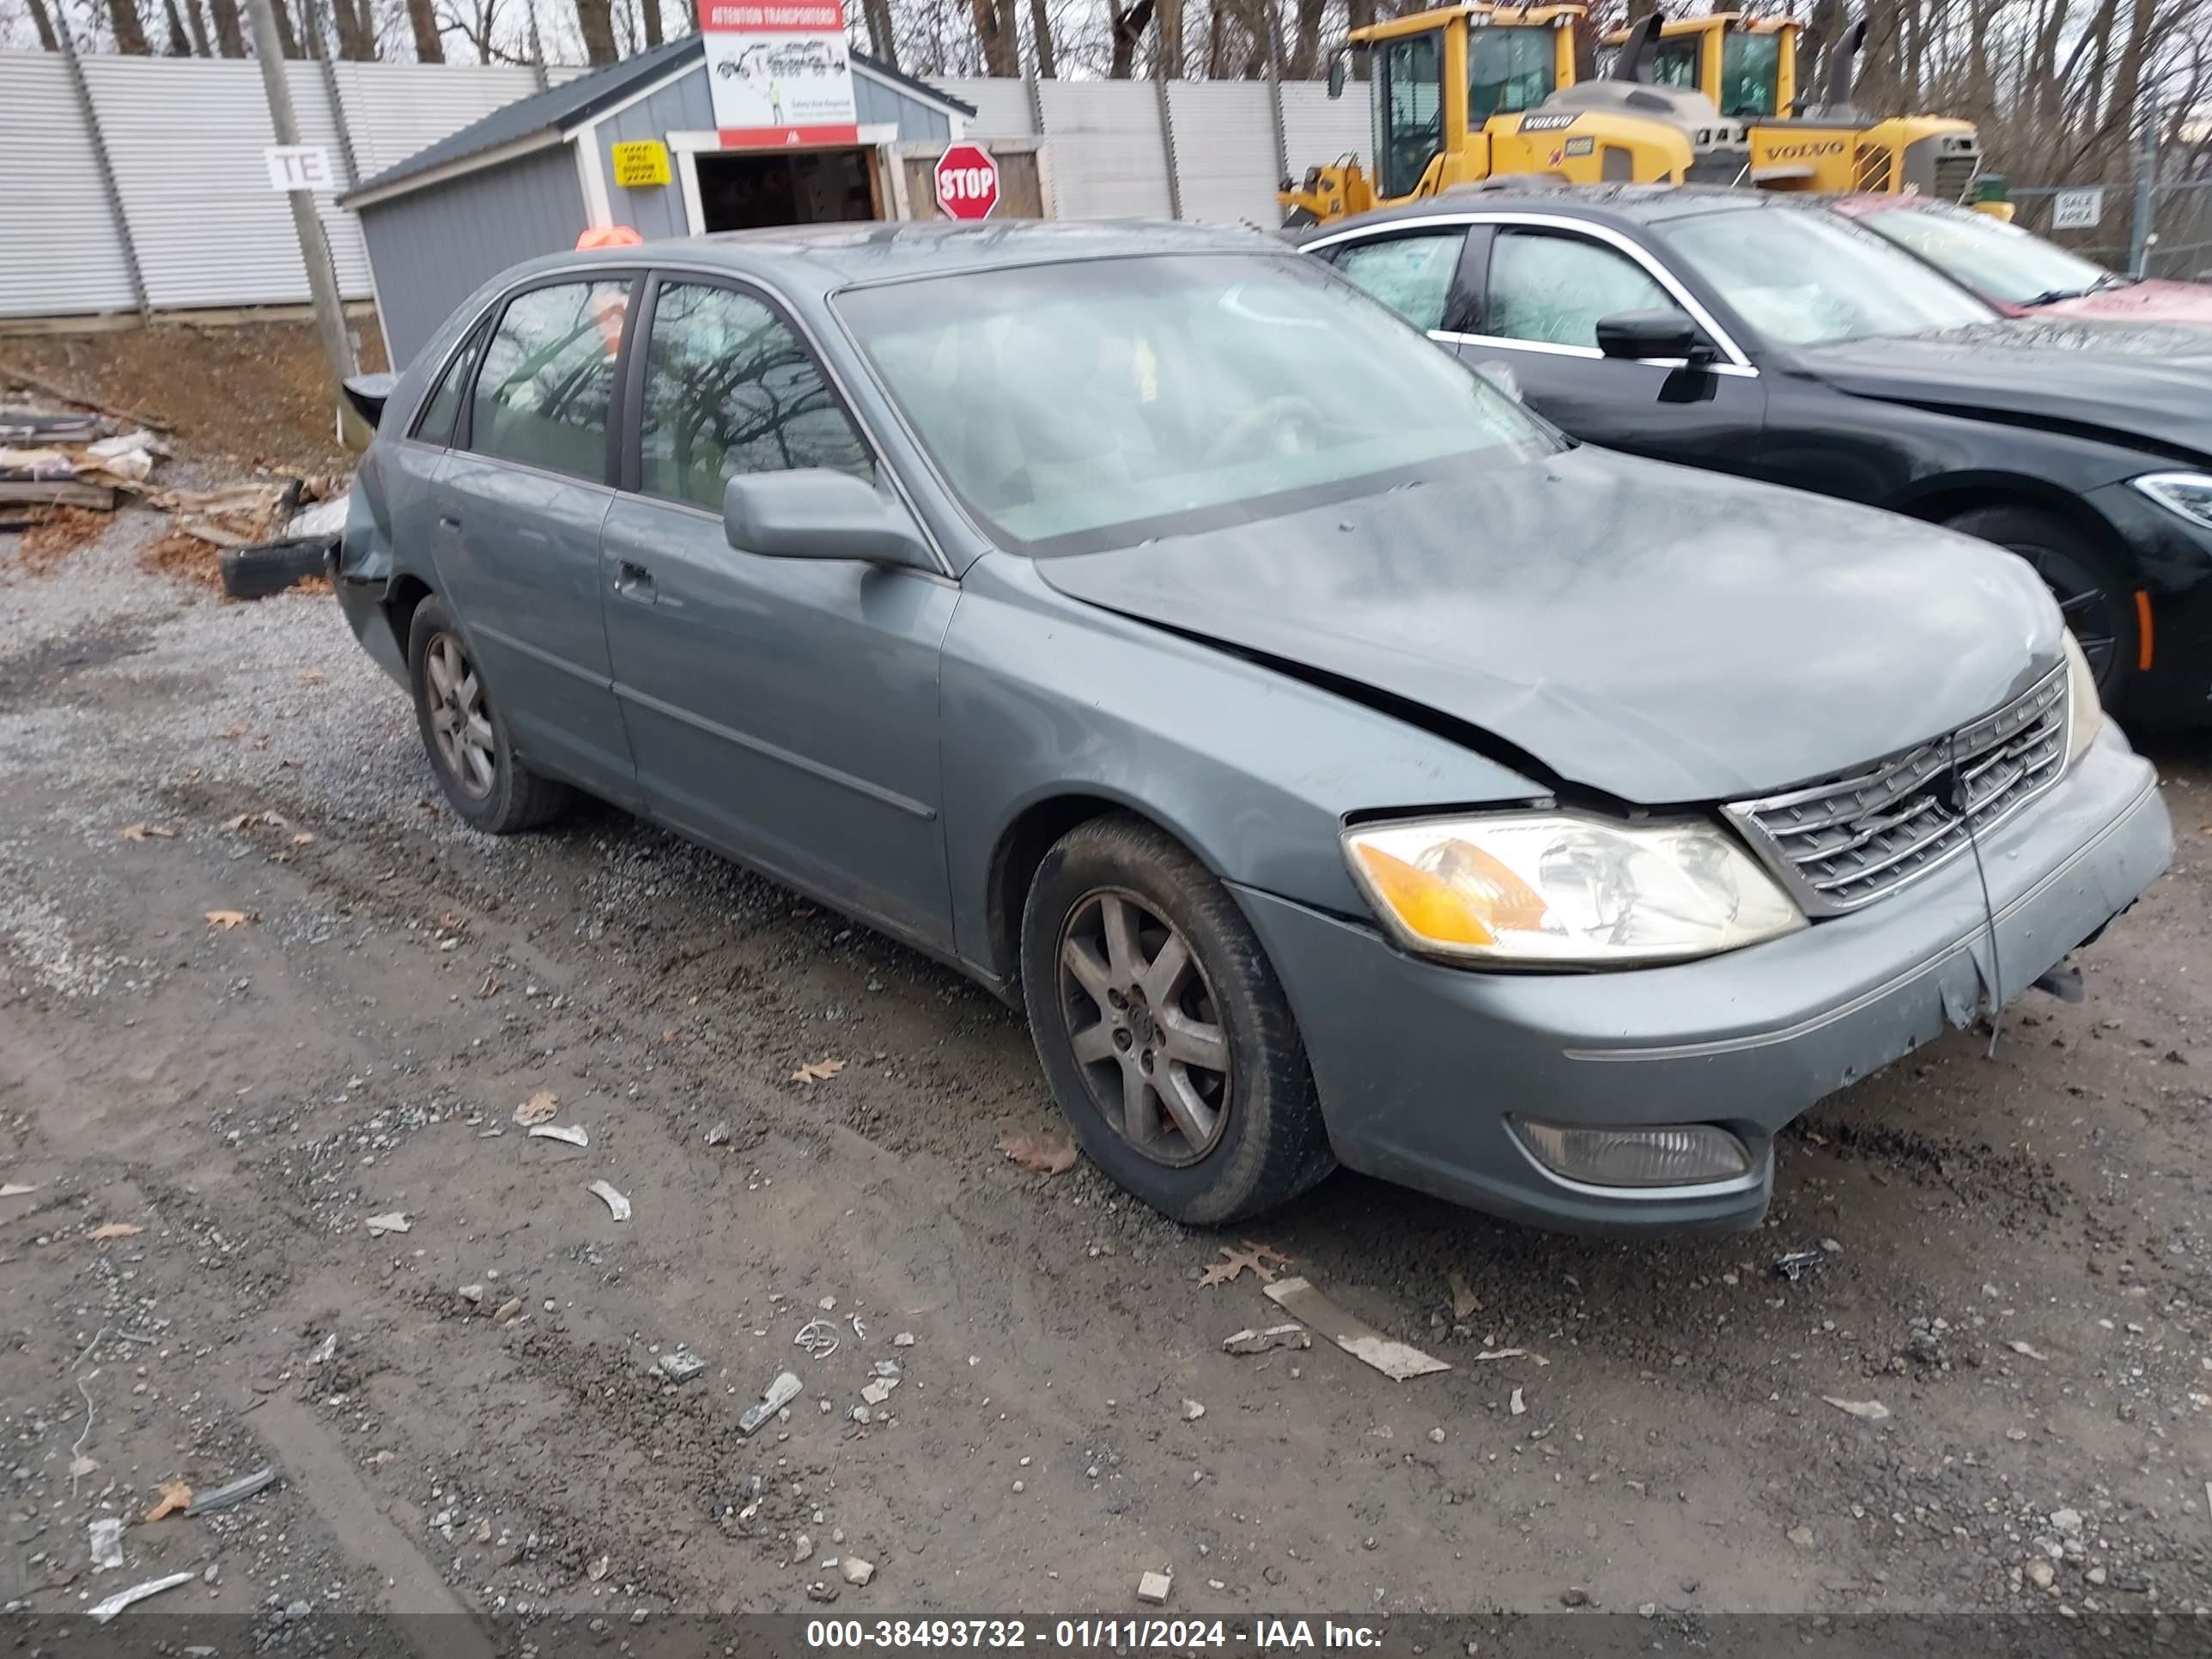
(311, 676)
(262, 819)
(818, 1071)
(490, 985)
(116, 1229)
(228, 920)
(538, 1109)
(1262, 1259)
(234, 730)
(176, 1498)
(303, 839)
(141, 831)
(1045, 1152)
(386, 875)
(450, 923)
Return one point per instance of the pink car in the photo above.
(2017, 271)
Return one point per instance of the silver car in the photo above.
(1339, 765)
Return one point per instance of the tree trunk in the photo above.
(195, 16)
(48, 40)
(595, 20)
(351, 46)
(180, 39)
(130, 33)
(1129, 28)
(650, 10)
(1167, 41)
(1048, 60)
(1306, 42)
(288, 38)
(429, 46)
(995, 37)
(229, 30)
(882, 35)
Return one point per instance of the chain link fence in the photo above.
(2165, 230)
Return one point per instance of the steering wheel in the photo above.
(1290, 424)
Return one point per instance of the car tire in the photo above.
(483, 781)
(1264, 1141)
(2098, 603)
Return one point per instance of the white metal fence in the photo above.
(191, 222)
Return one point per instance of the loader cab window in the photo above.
(1508, 70)
(1675, 62)
(1409, 104)
(1751, 74)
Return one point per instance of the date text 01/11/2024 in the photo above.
(1174, 1635)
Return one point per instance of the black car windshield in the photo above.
(1991, 257)
(1809, 278)
(1086, 404)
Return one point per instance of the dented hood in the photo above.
(1655, 633)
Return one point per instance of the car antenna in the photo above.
(1959, 800)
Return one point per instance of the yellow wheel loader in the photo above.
(1466, 93)
(1748, 67)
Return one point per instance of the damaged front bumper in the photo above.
(1420, 1066)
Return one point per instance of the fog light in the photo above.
(1677, 1155)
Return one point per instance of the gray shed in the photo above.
(531, 178)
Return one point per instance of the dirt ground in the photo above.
(251, 394)
(2011, 1254)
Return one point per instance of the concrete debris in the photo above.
(472, 1294)
(904, 1340)
(2068, 1522)
(879, 1390)
(618, 1205)
(856, 1572)
(18, 1189)
(781, 1393)
(1192, 1411)
(1516, 1405)
(2040, 1573)
(1275, 1336)
(101, 1612)
(508, 1311)
(802, 1549)
(221, 1497)
(2026, 1350)
(1152, 1588)
(1872, 1410)
(106, 1544)
(572, 1133)
(718, 1135)
(1508, 1354)
(325, 1350)
(1801, 1536)
(885, 1368)
(391, 1221)
(1396, 1360)
(678, 1363)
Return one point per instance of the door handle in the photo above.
(634, 581)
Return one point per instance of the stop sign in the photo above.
(966, 182)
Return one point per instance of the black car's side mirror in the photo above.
(1336, 75)
(817, 513)
(1652, 334)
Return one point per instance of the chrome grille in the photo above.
(1849, 840)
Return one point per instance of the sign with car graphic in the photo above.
(780, 72)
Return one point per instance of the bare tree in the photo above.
(650, 11)
(1129, 26)
(1041, 45)
(48, 40)
(595, 18)
(883, 36)
(129, 31)
(229, 28)
(423, 22)
(180, 40)
(997, 36)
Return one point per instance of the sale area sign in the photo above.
(780, 72)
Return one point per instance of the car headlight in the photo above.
(2189, 493)
(2086, 709)
(1561, 888)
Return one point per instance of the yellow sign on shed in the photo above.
(641, 164)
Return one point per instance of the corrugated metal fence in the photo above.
(184, 139)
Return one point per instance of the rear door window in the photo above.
(546, 390)
(435, 424)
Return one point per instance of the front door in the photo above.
(1543, 293)
(783, 709)
(519, 501)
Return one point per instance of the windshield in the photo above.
(1079, 406)
(1750, 73)
(1995, 258)
(1508, 70)
(1810, 278)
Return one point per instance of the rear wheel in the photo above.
(2096, 602)
(1163, 1030)
(466, 737)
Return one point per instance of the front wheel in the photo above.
(2095, 600)
(1163, 1030)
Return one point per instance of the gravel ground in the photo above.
(2010, 1252)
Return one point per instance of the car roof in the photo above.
(824, 259)
(1602, 203)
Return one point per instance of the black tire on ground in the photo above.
(254, 573)
(508, 796)
(1269, 1143)
(2097, 603)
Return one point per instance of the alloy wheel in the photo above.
(2089, 608)
(458, 721)
(1146, 1027)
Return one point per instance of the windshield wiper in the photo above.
(2052, 296)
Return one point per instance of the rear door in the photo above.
(1544, 287)
(519, 500)
(785, 710)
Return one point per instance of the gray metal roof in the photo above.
(563, 108)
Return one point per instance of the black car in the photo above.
(1736, 331)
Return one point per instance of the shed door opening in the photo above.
(745, 190)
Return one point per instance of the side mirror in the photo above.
(1336, 75)
(817, 513)
(1652, 334)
